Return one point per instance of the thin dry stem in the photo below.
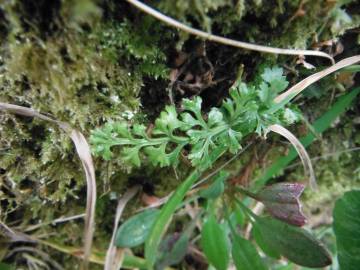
(240, 44)
(114, 256)
(300, 86)
(304, 156)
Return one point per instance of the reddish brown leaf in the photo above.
(282, 202)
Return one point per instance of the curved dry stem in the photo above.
(83, 151)
(300, 149)
(240, 44)
(300, 86)
(37, 252)
(114, 256)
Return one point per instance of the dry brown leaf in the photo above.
(83, 151)
(300, 86)
(12, 235)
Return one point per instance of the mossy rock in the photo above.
(90, 61)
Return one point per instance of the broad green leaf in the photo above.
(216, 188)
(159, 227)
(347, 230)
(214, 191)
(214, 242)
(237, 217)
(135, 230)
(261, 241)
(294, 243)
(245, 255)
(173, 250)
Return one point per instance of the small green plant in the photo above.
(203, 139)
(249, 109)
(252, 108)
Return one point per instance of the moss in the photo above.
(79, 70)
(65, 75)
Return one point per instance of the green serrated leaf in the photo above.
(228, 108)
(294, 243)
(189, 121)
(174, 155)
(243, 91)
(347, 229)
(215, 117)
(271, 74)
(135, 230)
(247, 110)
(131, 154)
(168, 121)
(157, 155)
(290, 116)
(277, 86)
(245, 255)
(103, 150)
(233, 138)
(214, 242)
(193, 105)
(139, 130)
(120, 128)
(264, 92)
(200, 152)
